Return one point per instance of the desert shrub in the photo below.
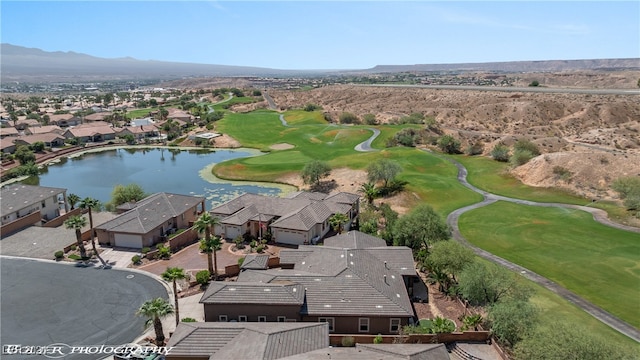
(164, 252)
(377, 339)
(449, 144)
(203, 276)
(474, 149)
(348, 118)
(239, 241)
(628, 188)
(145, 250)
(188, 319)
(369, 119)
(59, 254)
(241, 261)
(253, 244)
(524, 144)
(74, 257)
(260, 249)
(534, 83)
(74, 247)
(415, 118)
(348, 341)
(407, 137)
(136, 259)
(520, 157)
(562, 173)
(500, 152)
(256, 93)
(312, 107)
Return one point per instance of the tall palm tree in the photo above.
(91, 203)
(370, 192)
(174, 274)
(154, 310)
(337, 222)
(209, 245)
(77, 222)
(73, 199)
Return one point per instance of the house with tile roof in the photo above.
(18, 201)
(223, 340)
(35, 130)
(140, 132)
(301, 218)
(354, 290)
(50, 140)
(91, 133)
(64, 120)
(377, 352)
(148, 221)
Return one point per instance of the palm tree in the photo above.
(154, 310)
(337, 222)
(73, 199)
(370, 192)
(77, 222)
(173, 274)
(91, 203)
(208, 245)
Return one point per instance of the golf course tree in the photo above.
(445, 260)
(448, 144)
(125, 193)
(420, 229)
(72, 199)
(155, 310)
(173, 274)
(485, 284)
(314, 171)
(561, 341)
(512, 320)
(77, 222)
(500, 152)
(628, 188)
(337, 222)
(90, 204)
(209, 245)
(384, 170)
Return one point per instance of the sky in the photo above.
(327, 34)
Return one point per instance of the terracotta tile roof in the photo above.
(44, 129)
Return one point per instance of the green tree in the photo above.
(483, 283)
(562, 341)
(311, 107)
(337, 222)
(90, 204)
(421, 228)
(521, 157)
(628, 188)
(449, 144)
(73, 199)
(370, 119)
(526, 145)
(369, 191)
(383, 170)
(77, 223)
(512, 320)
(314, 171)
(173, 274)
(155, 310)
(205, 224)
(38, 146)
(126, 193)
(348, 118)
(449, 256)
(24, 155)
(500, 152)
(534, 83)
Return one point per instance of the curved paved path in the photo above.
(366, 145)
(598, 215)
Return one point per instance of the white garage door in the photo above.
(128, 241)
(289, 237)
(231, 232)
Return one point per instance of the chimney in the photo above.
(385, 265)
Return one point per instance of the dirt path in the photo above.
(598, 215)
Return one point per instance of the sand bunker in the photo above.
(281, 146)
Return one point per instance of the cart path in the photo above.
(598, 215)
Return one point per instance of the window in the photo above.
(242, 318)
(262, 319)
(222, 318)
(328, 321)
(394, 325)
(363, 324)
(44, 203)
(282, 318)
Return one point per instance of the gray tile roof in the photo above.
(253, 293)
(267, 341)
(378, 352)
(399, 258)
(354, 240)
(150, 212)
(255, 261)
(305, 218)
(18, 196)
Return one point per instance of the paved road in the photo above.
(366, 145)
(599, 215)
(44, 302)
(515, 89)
(272, 104)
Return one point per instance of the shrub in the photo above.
(474, 149)
(136, 259)
(59, 254)
(524, 144)
(348, 118)
(348, 341)
(449, 144)
(260, 249)
(377, 339)
(534, 83)
(520, 157)
(253, 244)
(145, 250)
(188, 319)
(74, 257)
(241, 261)
(164, 252)
(563, 173)
(500, 152)
(628, 188)
(203, 277)
(312, 107)
(239, 241)
(73, 247)
(369, 119)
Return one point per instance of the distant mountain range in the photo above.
(23, 64)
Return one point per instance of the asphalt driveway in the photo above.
(43, 303)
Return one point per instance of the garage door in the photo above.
(289, 237)
(232, 232)
(128, 241)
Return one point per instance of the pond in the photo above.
(172, 170)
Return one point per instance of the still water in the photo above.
(171, 170)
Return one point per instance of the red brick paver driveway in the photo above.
(190, 259)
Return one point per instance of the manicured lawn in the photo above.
(599, 263)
